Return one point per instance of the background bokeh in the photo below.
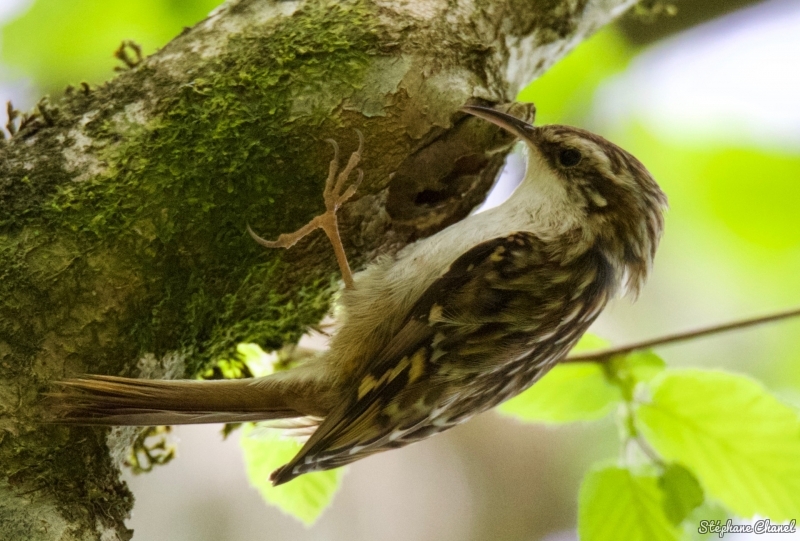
(707, 99)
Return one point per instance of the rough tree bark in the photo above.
(123, 210)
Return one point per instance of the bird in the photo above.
(446, 328)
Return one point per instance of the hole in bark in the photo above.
(430, 198)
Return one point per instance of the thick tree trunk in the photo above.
(123, 211)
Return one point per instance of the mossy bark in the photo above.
(123, 209)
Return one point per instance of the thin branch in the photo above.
(605, 354)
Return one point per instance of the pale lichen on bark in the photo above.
(122, 220)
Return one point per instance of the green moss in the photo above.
(240, 143)
(164, 230)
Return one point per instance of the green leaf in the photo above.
(569, 392)
(628, 371)
(590, 342)
(742, 443)
(682, 492)
(639, 365)
(615, 504)
(257, 360)
(304, 497)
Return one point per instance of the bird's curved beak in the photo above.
(518, 127)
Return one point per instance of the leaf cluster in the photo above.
(694, 444)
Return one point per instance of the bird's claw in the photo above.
(335, 196)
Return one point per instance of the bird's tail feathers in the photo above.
(112, 400)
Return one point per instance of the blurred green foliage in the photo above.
(754, 194)
(615, 504)
(59, 42)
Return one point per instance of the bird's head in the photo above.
(577, 181)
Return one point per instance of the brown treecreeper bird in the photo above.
(450, 326)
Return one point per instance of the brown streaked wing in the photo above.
(460, 306)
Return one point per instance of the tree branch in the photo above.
(123, 247)
(606, 354)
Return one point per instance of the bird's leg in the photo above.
(335, 196)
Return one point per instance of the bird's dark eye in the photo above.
(569, 157)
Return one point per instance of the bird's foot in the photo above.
(335, 196)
